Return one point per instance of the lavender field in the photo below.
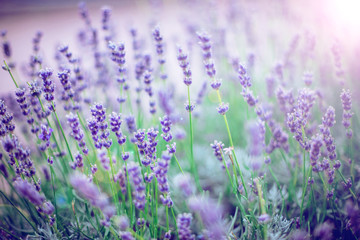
(180, 119)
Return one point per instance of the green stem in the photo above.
(129, 193)
(62, 132)
(11, 75)
(262, 206)
(232, 145)
(113, 188)
(303, 193)
(177, 162)
(192, 161)
(19, 211)
(53, 188)
(167, 218)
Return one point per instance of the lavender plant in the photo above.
(100, 145)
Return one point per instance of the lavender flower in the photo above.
(189, 106)
(44, 136)
(76, 132)
(130, 123)
(185, 183)
(223, 108)
(285, 100)
(328, 121)
(161, 169)
(183, 222)
(216, 84)
(6, 119)
(67, 93)
(270, 84)
(115, 126)
(279, 139)
(28, 191)
(159, 44)
(205, 44)
(166, 127)
(104, 159)
(106, 13)
(121, 178)
(347, 114)
(316, 144)
(249, 97)
(308, 78)
(139, 187)
(243, 77)
(118, 56)
(89, 191)
(126, 236)
(48, 85)
(201, 93)
(211, 215)
(218, 147)
(256, 131)
(98, 113)
(324, 231)
(184, 64)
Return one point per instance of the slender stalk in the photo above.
(262, 206)
(62, 132)
(129, 193)
(11, 75)
(113, 188)
(19, 211)
(167, 218)
(177, 162)
(192, 161)
(52, 173)
(303, 193)
(232, 144)
(156, 207)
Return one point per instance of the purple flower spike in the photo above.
(211, 215)
(347, 114)
(166, 127)
(316, 144)
(183, 222)
(223, 108)
(217, 146)
(159, 44)
(44, 136)
(185, 183)
(48, 84)
(138, 185)
(216, 84)
(28, 191)
(76, 132)
(184, 64)
(189, 106)
(89, 190)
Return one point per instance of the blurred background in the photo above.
(264, 28)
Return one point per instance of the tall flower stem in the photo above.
(62, 132)
(11, 75)
(192, 161)
(232, 145)
(261, 206)
(113, 188)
